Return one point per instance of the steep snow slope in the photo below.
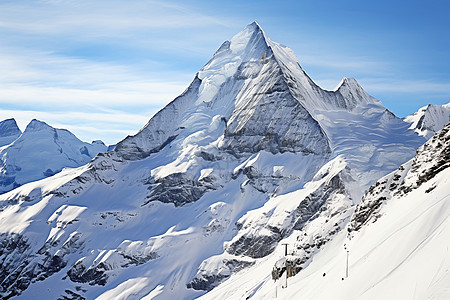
(8, 132)
(202, 191)
(429, 119)
(42, 151)
(397, 241)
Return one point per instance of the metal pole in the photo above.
(286, 279)
(346, 268)
(285, 264)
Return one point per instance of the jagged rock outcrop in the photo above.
(327, 196)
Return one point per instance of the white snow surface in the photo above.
(251, 148)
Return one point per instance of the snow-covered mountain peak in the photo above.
(246, 37)
(348, 83)
(354, 94)
(9, 131)
(429, 119)
(42, 151)
(9, 127)
(232, 93)
(37, 125)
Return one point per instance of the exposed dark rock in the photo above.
(98, 274)
(93, 276)
(206, 282)
(257, 246)
(137, 260)
(20, 266)
(70, 295)
(178, 188)
(313, 203)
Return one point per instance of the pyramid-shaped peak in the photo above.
(239, 42)
(9, 127)
(348, 82)
(251, 37)
(354, 94)
(255, 26)
(37, 125)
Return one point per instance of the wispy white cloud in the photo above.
(115, 124)
(101, 18)
(356, 64)
(114, 100)
(407, 86)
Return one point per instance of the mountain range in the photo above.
(200, 202)
(40, 151)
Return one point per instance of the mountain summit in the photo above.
(9, 131)
(252, 152)
(250, 76)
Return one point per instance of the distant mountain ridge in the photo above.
(429, 119)
(40, 151)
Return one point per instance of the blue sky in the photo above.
(102, 68)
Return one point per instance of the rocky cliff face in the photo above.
(312, 214)
(252, 152)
